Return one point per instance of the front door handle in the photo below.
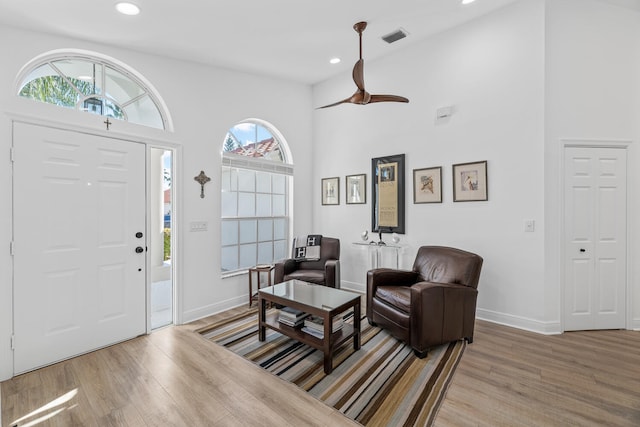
(583, 250)
(139, 250)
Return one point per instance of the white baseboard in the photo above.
(532, 325)
(547, 328)
(211, 309)
(353, 286)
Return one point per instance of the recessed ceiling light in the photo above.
(467, 1)
(334, 60)
(127, 8)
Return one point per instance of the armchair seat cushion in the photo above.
(309, 276)
(398, 297)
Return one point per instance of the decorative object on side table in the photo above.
(470, 182)
(202, 179)
(427, 185)
(331, 191)
(356, 187)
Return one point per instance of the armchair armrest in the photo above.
(282, 267)
(441, 312)
(386, 277)
(332, 273)
(390, 277)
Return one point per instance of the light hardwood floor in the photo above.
(510, 377)
(507, 377)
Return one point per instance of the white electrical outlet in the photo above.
(529, 226)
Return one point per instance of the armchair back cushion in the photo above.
(441, 264)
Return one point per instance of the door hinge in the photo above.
(13, 342)
(11, 248)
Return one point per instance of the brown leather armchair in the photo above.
(325, 271)
(432, 304)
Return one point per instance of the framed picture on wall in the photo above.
(356, 189)
(470, 182)
(387, 194)
(331, 191)
(427, 185)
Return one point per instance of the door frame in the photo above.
(151, 138)
(594, 143)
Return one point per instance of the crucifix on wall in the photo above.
(202, 179)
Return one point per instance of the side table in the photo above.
(258, 270)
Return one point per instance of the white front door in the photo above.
(79, 204)
(595, 202)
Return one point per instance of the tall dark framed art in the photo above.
(387, 194)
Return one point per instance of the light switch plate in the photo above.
(198, 226)
(529, 226)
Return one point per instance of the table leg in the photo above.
(326, 343)
(328, 363)
(251, 287)
(356, 326)
(262, 312)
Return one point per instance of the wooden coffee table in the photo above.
(316, 300)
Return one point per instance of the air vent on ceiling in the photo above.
(395, 36)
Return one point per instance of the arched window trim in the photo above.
(119, 66)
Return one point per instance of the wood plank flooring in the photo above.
(510, 377)
(174, 377)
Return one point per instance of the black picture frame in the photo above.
(330, 188)
(388, 194)
(470, 183)
(427, 185)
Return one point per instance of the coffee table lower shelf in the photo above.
(337, 338)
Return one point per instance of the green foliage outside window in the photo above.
(57, 90)
(167, 244)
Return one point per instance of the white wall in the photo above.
(593, 93)
(492, 71)
(520, 80)
(204, 103)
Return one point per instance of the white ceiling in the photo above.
(290, 39)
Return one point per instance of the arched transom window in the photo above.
(93, 85)
(256, 180)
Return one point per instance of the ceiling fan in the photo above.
(361, 96)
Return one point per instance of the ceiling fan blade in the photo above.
(335, 103)
(387, 98)
(358, 74)
(360, 97)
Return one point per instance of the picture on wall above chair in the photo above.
(331, 191)
(470, 182)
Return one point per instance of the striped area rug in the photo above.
(382, 384)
